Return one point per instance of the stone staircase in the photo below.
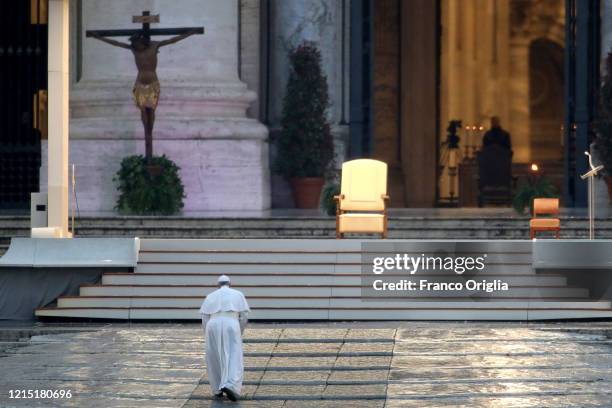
(302, 279)
(430, 226)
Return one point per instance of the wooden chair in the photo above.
(545, 206)
(361, 205)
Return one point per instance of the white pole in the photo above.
(591, 210)
(593, 171)
(73, 197)
(58, 68)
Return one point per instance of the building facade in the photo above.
(397, 71)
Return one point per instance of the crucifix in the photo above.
(146, 88)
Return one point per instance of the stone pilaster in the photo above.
(250, 50)
(318, 21)
(295, 21)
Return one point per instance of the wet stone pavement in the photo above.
(318, 365)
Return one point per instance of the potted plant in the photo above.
(328, 203)
(537, 186)
(145, 193)
(603, 126)
(305, 146)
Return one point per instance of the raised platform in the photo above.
(468, 223)
(71, 253)
(312, 280)
(35, 271)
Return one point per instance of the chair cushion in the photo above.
(361, 223)
(364, 182)
(545, 206)
(545, 223)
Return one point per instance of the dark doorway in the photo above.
(23, 84)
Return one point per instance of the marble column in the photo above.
(57, 143)
(418, 102)
(519, 99)
(201, 118)
(291, 23)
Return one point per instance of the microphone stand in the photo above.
(591, 176)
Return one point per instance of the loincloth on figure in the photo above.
(146, 95)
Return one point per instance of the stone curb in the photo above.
(309, 383)
(321, 354)
(302, 397)
(384, 340)
(318, 368)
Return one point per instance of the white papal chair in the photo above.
(361, 206)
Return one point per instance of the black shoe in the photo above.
(230, 394)
(218, 395)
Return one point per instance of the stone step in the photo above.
(330, 279)
(296, 258)
(274, 268)
(422, 313)
(293, 303)
(296, 245)
(306, 291)
(404, 227)
(427, 232)
(305, 279)
(297, 222)
(245, 219)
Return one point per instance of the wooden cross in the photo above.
(145, 19)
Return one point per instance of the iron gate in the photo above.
(23, 84)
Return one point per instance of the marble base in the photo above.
(218, 173)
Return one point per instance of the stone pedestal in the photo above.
(201, 119)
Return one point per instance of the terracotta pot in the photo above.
(154, 170)
(609, 184)
(307, 191)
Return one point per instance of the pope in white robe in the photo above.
(224, 317)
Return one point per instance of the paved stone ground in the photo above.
(317, 365)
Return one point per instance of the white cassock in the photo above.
(224, 317)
